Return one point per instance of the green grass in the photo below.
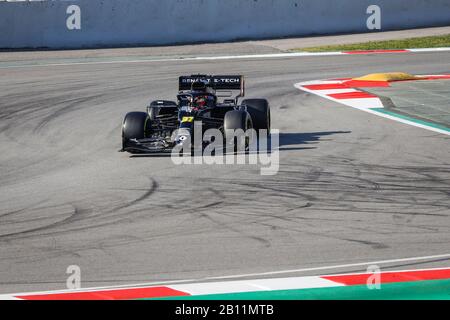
(409, 43)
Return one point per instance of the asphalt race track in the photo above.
(352, 187)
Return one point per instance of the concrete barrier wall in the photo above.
(158, 22)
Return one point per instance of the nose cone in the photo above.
(182, 139)
(182, 136)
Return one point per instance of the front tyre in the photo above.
(234, 122)
(135, 126)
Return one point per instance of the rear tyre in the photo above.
(135, 126)
(235, 120)
(259, 110)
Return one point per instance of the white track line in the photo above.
(447, 255)
(213, 58)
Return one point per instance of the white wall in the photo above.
(135, 22)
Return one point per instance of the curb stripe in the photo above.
(256, 285)
(326, 86)
(443, 77)
(17, 296)
(353, 95)
(152, 292)
(348, 84)
(416, 290)
(376, 51)
(389, 277)
(366, 84)
(263, 287)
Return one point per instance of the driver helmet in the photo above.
(200, 102)
(198, 86)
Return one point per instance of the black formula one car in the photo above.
(167, 124)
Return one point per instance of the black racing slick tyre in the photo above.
(235, 120)
(135, 126)
(259, 110)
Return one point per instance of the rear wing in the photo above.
(228, 82)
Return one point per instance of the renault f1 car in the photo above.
(213, 100)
